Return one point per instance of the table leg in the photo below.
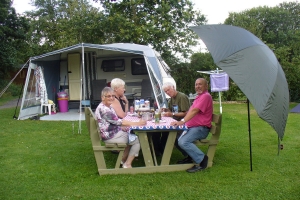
(143, 138)
(152, 148)
(169, 148)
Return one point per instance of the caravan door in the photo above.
(74, 76)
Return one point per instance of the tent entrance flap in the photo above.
(31, 100)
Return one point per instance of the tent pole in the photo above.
(12, 80)
(81, 85)
(249, 130)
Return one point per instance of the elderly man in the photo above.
(178, 105)
(198, 120)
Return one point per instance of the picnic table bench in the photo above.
(213, 141)
(98, 147)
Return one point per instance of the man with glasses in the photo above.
(178, 105)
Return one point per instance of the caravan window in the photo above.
(113, 65)
(138, 66)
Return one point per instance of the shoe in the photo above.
(185, 160)
(204, 162)
(195, 168)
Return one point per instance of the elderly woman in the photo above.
(115, 130)
(120, 103)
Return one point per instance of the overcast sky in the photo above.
(216, 11)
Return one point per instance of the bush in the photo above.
(13, 89)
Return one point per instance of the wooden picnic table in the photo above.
(145, 137)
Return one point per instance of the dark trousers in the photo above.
(160, 139)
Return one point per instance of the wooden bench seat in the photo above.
(213, 141)
(98, 147)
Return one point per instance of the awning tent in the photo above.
(50, 63)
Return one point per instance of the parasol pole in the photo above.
(249, 130)
(220, 96)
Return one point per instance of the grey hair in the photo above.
(116, 83)
(106, 90)
(168, 84)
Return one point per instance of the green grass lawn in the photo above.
(46, 160)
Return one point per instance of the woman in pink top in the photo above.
(198, 120)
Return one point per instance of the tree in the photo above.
(186, 73)
(278, 27)
(162, 24)
(13, 29)
(57, 24)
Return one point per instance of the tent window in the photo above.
(138, 66)
(113, 65)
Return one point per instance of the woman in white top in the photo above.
(120, 103)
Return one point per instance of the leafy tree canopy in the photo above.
(13, 29)
(57, 24)
(162, 24)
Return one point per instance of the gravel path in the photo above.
(11, 104)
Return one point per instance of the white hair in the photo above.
(168, 84)
(116, 83)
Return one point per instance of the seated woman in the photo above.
(120, 103)
(115, 130)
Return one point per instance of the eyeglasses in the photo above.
(110, 96)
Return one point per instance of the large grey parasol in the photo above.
(253, 67)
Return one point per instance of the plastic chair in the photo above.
(47, 105)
